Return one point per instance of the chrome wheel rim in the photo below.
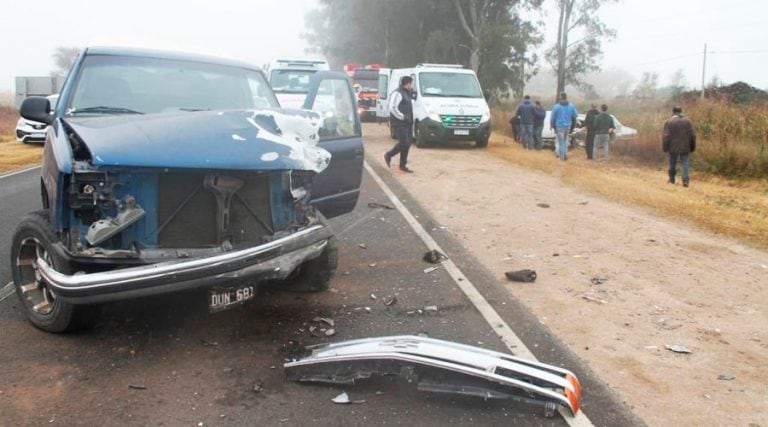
(33, 288)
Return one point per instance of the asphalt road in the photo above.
(167, 361)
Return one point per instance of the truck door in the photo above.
(381, 105)
(336, 189)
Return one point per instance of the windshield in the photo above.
(449, 84)
(110, 84)
(290, 81)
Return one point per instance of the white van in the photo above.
(448, 103)
(289, 79)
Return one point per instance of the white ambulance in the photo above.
(289, 79)
(448, 103)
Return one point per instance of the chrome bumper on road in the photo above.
(442, 366)
(272, 260)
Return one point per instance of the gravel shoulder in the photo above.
(661, 282)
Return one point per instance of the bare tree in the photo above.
(571, 59)
(63, 58)
(474, 27)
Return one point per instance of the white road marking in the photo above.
(502, 329)
(18, 172)
(6, 291)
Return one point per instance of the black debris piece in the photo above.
(521, 275)
(434, 256)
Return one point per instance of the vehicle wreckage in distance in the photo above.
(166, 171)
(442, 367)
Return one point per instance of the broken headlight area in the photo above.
(442, 367)
(152, 215)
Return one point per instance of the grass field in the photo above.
(13, 154)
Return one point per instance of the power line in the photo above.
(741, 51)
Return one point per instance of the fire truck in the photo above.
(365, 81)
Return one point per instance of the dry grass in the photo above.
(736, 208)
(13, 154)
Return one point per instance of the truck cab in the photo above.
(290, 79)
(448, 103)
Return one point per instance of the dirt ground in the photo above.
(616, 283)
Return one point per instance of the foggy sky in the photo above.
(653, 35)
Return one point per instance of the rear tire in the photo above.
(34, 237)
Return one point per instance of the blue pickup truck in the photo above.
(166, 171)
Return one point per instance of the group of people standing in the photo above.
(528, 123)
(678, 138)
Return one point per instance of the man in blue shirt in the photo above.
(563, 115)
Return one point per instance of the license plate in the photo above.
(461, 131)
(223, 298)
(38, 135)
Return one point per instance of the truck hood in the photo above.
(270, 139)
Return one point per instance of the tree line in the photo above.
(496, 38)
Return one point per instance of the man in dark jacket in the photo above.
(401, 120)
(538, 124)
(679, 140)
(588, 121)
(526, 112)
(602, 128)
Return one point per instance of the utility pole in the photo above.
(703, 71)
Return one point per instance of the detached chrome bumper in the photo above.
(272, 260)
(442, 366)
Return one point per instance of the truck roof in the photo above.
(160, 54)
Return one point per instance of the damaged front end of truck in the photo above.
(141, 204)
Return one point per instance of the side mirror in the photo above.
(487, 95)
(37, 108)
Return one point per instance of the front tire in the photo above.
(315, 275)
(482, 143)
(34, 238)
(418, 140)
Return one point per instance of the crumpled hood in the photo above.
(270, 139)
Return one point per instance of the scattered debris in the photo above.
(373, 264)
(363, 246)
(429, 270)
(678, 348)
(258, 387)
(726, 377)
(375, 205)
(542, 205)
(432, 308)
(391, 301)
(373, 296)
(598, 280)
(367, 309)
(651, 347)
(137, 386)
(555, 254)
(584, 203)
(328, 321)
(343, 399)
(209, 343)
(330, 332)
(434, 256)
(525, 275)
(312, 329)
(593, 299)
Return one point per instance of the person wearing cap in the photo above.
(526, 113)
(401, 120)
(679, 140)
